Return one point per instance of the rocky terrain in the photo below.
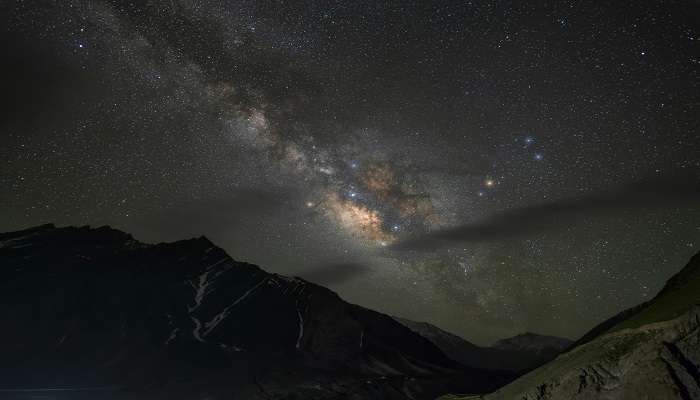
(651, 351)
(92, 313)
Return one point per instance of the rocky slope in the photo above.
(517, 354)
(649, 352)
(93, 313)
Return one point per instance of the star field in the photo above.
(386, 149)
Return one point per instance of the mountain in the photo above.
(535, 343)
(651, 351)
(530, 350)
(517, 354)
(451, 345)
(93, 313)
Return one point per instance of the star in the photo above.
(360, 145)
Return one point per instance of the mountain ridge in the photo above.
(97, 308)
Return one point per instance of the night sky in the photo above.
(491, 167)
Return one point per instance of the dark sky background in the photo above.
(492, 167)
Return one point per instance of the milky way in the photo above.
(368, 197)
(463, 163)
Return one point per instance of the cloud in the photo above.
(516, 223)
(335, 273)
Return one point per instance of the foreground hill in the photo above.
(517, 354)
(651, 351)
(93, 313)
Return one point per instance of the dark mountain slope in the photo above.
(95, 310)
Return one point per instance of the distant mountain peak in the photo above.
(519, 353)
(533, 342)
